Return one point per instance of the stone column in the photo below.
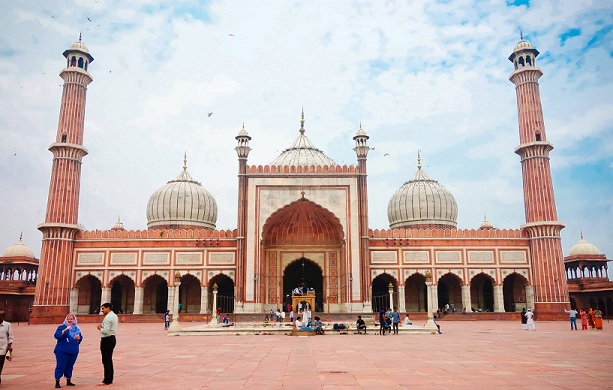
(204, 299)
(170, 304)
(105, 296)
(138, 300)
(498, 299)
(466, 303)
(530, 297)
(401, 299)
(74, 300)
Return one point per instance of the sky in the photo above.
(417, 75)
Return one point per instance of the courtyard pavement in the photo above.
(468, 355)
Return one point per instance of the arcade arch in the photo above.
(122, 294)
(449, 291)
(189, 294)
(482, 293)
(514, 292)
(304, 273)
(155, 295)
(416, 293)
(90, 295)
(380, 292)
(225, 293)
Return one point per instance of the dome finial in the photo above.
(418, 159)
(302, 122)
(80, 36)
(521, 35)
(185, 161)
(582, 234)
(20, 236)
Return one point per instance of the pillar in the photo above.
(138, 300)
(204, 299)
(401, 299)
(530, 297)
(466, 300)
(498, 299)
(74, 300)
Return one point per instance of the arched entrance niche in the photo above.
(225, 293)
(90, 295)
(449, 291)
(122, 294)
(482, 292)
(308, 228)
(155, 295)
(514, 292)
(380, 292)
(416, 293)
(304, 273)
(189, 294)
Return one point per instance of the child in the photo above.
(437, 325)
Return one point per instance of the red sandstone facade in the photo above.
(301, 222)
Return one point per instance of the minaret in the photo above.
(242, 151)
(542, 225)
(361, 150)
(51, 302)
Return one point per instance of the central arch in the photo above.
(304, 227)
(304, 273)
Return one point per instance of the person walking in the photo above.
(573, 318)
(382, 319)
(69, 337)
(108, 329)
(530, 320)
(6, 341)
(395, 320)
(598, 319)
(166, 319)
(583, 315)
(524, 319)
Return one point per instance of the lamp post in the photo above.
(390, 289)
(430, 323)
(214, 313)
(175, 326)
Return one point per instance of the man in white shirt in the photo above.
(107, 329)
(6, 340)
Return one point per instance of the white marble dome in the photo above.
(422, 202)
(18, 249)
(302, 153)
(583, 248)
(182, 203)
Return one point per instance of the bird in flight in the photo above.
(89, 19)
(231, 35)
(386, 154)
(209, 114)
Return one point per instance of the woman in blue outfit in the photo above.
(68, 337)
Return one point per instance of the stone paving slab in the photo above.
(468, 355)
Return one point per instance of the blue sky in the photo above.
(418, 75)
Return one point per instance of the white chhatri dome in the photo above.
(583, 248)
(302, 152)
(422, 202)
(18, 249)
(182, 202)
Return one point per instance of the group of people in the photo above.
(591, 317)
(69, 337)
(527, 319)
(389, 320)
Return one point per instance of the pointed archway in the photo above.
(122, 294)
(482, 292)
(416, 293)
(90, 295)
(225, 293)
(155, 295)
(308, 228)
(304, 273)
(449, 291)
(514, 292)
(189, 294)
(380, 292)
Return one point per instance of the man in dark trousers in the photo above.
(107, 328)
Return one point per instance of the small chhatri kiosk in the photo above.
(300, 302)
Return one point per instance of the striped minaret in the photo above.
(361, 150)
(242, 151)
(51, 302)
(542, 225)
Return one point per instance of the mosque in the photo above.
(302, 221)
